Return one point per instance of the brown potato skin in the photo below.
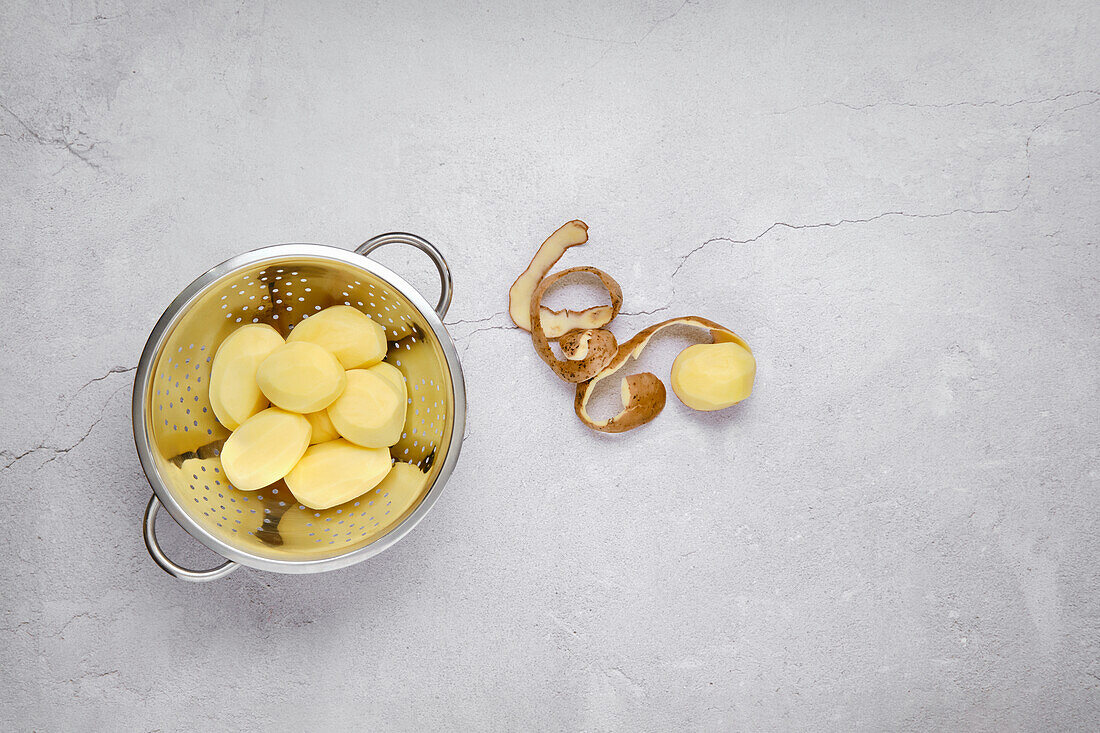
(594, 317)
(601, 345)
(574, 345)
(647, 399)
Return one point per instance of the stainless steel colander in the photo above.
(179, 440)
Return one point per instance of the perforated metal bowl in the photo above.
(179, 440)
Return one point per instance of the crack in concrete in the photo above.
(488, 328)
(1027, 143)
(934, 105)
(475, 320)
(597, 40)
(61, 142)
(58, 451)
(21, 456)
(842, 222)
(85, 614)
(88, 675)
(18, 627)
(98, 19)
(113, 370)
(831, 224)
(611, 43)
(636, 41)
(468, 338)
(663, 20)
(647, 313)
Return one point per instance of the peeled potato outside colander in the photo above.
(179, 440)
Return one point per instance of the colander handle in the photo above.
(195, 576)
(427, 248)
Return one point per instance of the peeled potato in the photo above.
(323, 429)
(713, 376)
(402, 486)
(391, 374)
(234, 394)
(264, 448)
(337, 471)
(351, 336)
(301, 377)
(371, 411)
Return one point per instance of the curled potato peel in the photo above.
(574, 345)
(643, 395)
(599, 344)
(556, 323)
(643, 398)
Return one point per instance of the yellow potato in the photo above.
(323, 429)
(234, 394)
(301, 377)
(391, 374)
(264, 448)
(371, 411)
(337, 471)
(350, 335)
(400, 489)
(713, 376)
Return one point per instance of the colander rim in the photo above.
(169, 319)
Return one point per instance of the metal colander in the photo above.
(179, 440)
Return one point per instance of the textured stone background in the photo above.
(896, 204)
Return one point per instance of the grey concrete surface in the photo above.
(896, 204)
